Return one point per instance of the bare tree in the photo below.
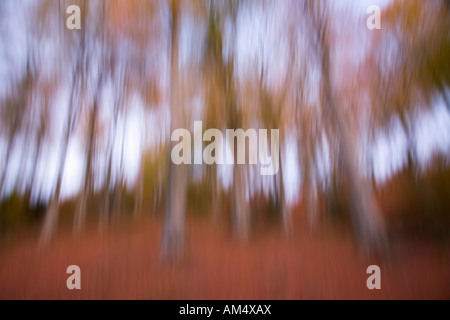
(173, 234)
(366, 215)
(52, 212)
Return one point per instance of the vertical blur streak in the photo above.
(365, 212)
(172, 243)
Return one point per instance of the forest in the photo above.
(356, 123)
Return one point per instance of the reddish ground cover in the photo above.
(124, 264)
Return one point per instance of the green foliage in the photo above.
(14, 213)
(199, 198)
(154, 175)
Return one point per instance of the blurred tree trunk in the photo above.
(173, 234)
(106, 209)
(278, 184)
(6, 163)
(272, 109)
(15, 108)
(215, 199)
(282, 205)
(446, 97)
(240, 205)
(214, 74)
(139, 193)
(51, 215)
(222, 104)
(366, 215)
(37, 152)
(80, 214)
(25, 154)
(52, 212)
(309, 200)
(118, 187)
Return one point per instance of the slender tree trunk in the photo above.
(80, 214)
(241, 209)
(446, 97)
(34, 171)
(215, 204)
(211, 181)
(105, 211)
(37, 154)
(51, 215)
(139, 194)
(21, 179)
(52, 212)
(366, 215)
(305, 153)
(120, 183)
(173, 234)
(120, 100)
(5, 169)
(284, 210)
(309, 195)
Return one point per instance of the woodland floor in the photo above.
(124, 264)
